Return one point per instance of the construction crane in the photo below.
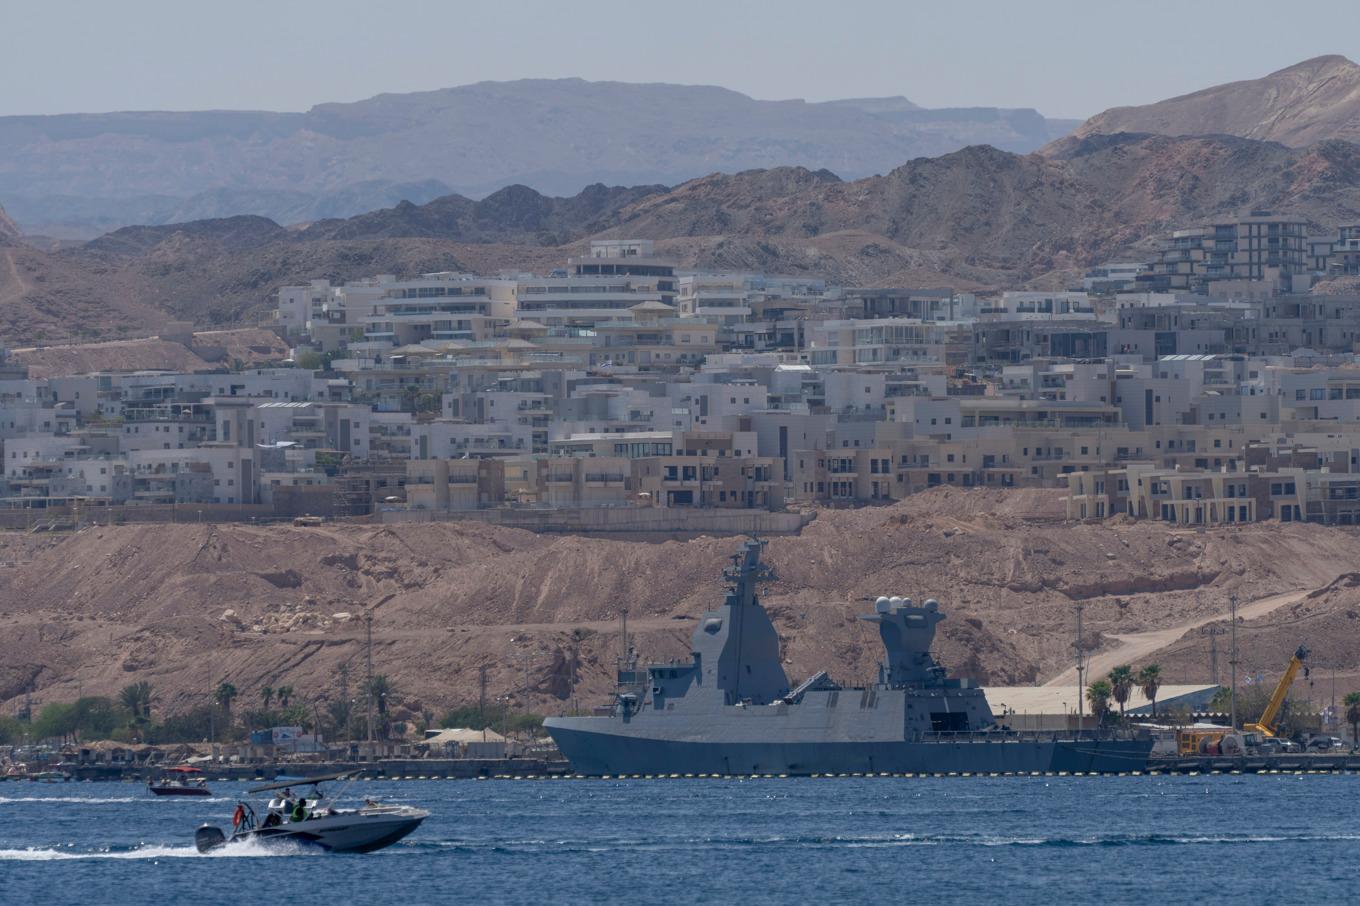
(1266, 725)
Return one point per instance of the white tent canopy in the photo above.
(462, 735)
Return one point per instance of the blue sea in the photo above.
(1233, 839)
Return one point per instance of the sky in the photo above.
(1070, 59)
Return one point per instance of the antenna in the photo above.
(368, 622)
(1233, 696)
(481, 693)
(1081, 673)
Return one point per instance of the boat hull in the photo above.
(179, 791)
(594, 748)
(335, 833)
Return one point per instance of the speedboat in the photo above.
(180, 781)
(304, 820)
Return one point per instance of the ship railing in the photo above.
(1054, 735)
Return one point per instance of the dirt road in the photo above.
(1137, 646)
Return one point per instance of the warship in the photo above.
(729, 709)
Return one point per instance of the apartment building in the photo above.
(889, 341)
(1260, 247)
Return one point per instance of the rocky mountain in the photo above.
(975, 218)
(1313, 101)
(82, 174)
(515, 213)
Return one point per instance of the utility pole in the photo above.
(1334, 715)
(368, 623)
(1214, 633)
(1081, 673)
(1232, 697)
(481, 692)
(623, 616)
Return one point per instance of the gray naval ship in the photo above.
(730, 710)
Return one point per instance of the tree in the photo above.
(341, 715)
(267, 696)
(310, 360)
(285, 693)
(1352, 703)
(1290, 720)
(1121, 685)
(380, 687)
(1098, 694)
(1150, 681)
(137, 698)
(11, 731)
(224, 695)
(469, 716)
(55, 721)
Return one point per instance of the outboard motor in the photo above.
(208, 838)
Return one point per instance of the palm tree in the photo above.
(285, 693)
(137, 697)
(1150, 680)
(1352, 703)
(1098, 694)
(1121, 685)
(224, 694)
(267, 696)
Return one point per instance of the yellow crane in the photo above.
(1266, 725)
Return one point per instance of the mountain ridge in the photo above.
(976, 218)
(1311, 101)
(75, 175)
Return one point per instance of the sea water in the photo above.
(1238, 839)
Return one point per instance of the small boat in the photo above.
(180, 781)
(50, 777)
(305, 820)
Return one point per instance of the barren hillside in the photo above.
(188, 606)
(1313, 101)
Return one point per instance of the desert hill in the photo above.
(185, 607)
(82, 174)
(1314, 101)
(978, 217)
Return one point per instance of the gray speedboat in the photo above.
(304, 820)
(729, 709)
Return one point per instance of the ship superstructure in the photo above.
(729, 709)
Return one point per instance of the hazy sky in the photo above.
(1064, 58)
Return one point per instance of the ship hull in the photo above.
(597, 750)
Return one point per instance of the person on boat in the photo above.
(299, 810)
